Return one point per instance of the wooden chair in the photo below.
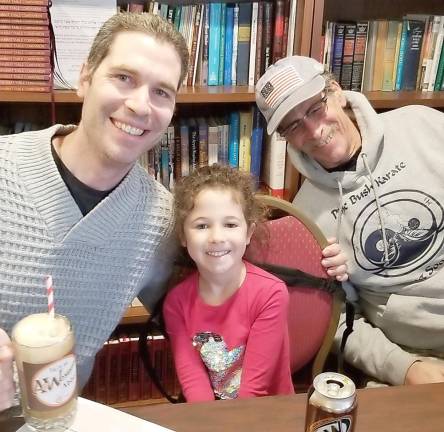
(290, 246)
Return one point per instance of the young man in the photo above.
(75, 205)
(374, 180)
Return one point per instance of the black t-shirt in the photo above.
(85, 197)
(350, 165)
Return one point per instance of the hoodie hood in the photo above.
(372, 133)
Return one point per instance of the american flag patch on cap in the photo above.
(283, 82)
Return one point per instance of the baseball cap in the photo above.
(285, 84)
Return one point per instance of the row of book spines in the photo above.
(244, 39)
(119, 374)
(395, 52)
(230, 44)
(236, 141)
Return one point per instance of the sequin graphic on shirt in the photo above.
(224, 366)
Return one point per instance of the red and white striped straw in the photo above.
(50, 295)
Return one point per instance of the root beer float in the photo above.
(44, 353)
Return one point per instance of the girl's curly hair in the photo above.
(217, 177)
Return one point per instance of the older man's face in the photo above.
(323, 129)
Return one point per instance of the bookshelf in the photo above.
(356, 10)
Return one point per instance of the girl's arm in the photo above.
(266, 355)
(191, 371)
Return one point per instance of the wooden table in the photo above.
(393, 409)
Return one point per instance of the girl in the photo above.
(228, 321)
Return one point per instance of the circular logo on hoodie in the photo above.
(404, 233)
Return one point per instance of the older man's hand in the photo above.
(423, 372)
(335, 261)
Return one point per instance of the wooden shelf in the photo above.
(389, 100)
(191, 95)
(135, 315)
(240, 94)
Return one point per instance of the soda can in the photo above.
(332, 404)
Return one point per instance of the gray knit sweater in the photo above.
(99, 262)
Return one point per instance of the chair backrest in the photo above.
(291, 240)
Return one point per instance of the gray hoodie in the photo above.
(391, 228)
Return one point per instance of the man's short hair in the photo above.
(152, 25)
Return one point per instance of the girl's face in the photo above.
(216, 233)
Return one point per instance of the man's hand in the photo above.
(6, 382)
(423, 372)
(335, 261)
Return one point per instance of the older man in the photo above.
(376, 181)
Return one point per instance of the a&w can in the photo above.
(331, 404)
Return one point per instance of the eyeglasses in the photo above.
(315, 112)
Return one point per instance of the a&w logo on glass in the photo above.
(55, 384)
(342, 424)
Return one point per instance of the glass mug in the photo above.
(44, 354)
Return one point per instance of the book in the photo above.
(177, 164)
(379, 55)
(203, 141)
(436, 55)
(338, 48)
(253, 41)
(245, 129)
(258, 64)
(205, 46)
(273, 171)
(213, 141)
(164, 161)
(359, 55)
(184, 148)
(278, 34)
(26, 2)
(196, 33)
(439, 81)
(19, 14)
(243, 43)
(257, 138)
(228, 58)
(214, 44)
(233, 142)
(24, 52)
(123, 375)
(38, 88)
(347, 56)
(25, 76)
(193, 140)
(224, 139)
(428, 56)
(235, 37)
(170, 133)
(415, 33)
(24, 33)
(389, 61)
(223, 19)
(28, 71)
(135, 375)
(25, 45)
(401, 55)
(267, 35)
(291, 27)
(112, 370)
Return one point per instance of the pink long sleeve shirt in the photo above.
(240, 347)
